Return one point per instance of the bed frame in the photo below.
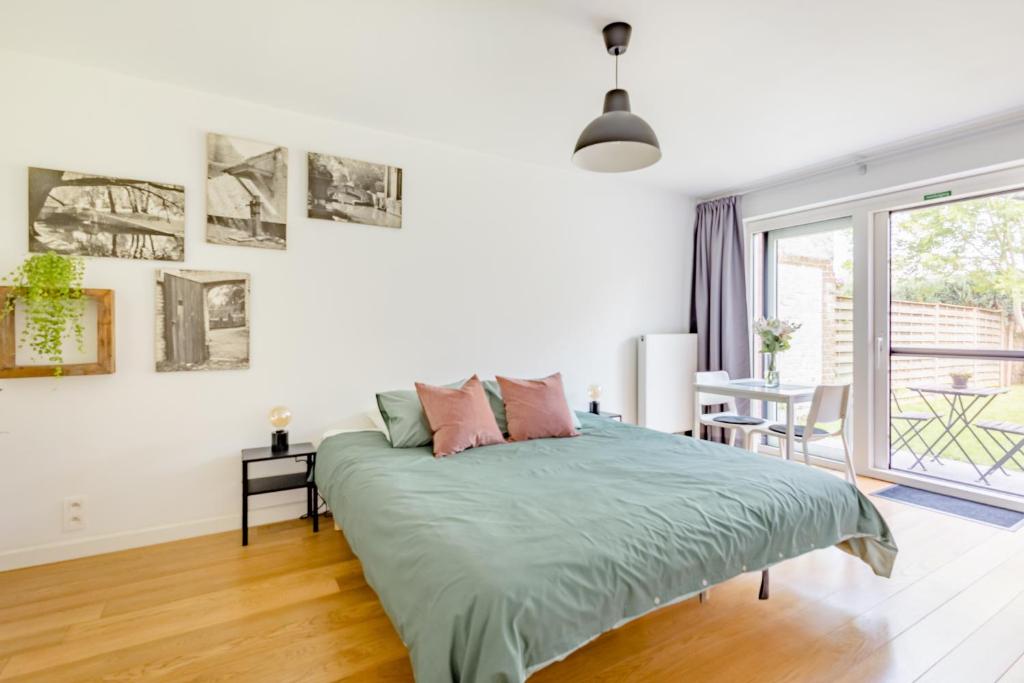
(762, 593)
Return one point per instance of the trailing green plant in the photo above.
(49, 288)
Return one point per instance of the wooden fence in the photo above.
(927, 325)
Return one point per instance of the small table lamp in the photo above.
(594, 392)
(280, 417)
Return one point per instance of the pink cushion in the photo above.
(459, 418)
(536, 408)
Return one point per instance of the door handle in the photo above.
(879, 341)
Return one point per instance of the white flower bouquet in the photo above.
(775, 334)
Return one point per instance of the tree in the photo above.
(42, 182)
(969, 253)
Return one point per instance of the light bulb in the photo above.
(594, 391)
(280, 416)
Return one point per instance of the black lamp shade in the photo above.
(617, 140)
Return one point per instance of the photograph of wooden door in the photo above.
(184, 324)
(202, 320)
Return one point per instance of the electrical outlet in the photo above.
(74, 513)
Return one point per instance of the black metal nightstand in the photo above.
(610, 416)
(279, 482)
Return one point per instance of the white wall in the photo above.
(500, 267)
(995, 147)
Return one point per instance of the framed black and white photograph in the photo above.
(246, 192)
(202, 320)
(352, 191)
(94, 215)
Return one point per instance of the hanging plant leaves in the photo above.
(49, 287)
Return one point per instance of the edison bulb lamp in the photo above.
(594, 392)
(280, 417)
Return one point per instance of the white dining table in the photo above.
(756, 390)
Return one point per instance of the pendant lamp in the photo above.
(617, 140)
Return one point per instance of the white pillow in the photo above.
(372, 416)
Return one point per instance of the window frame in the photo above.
(768, 307)
(869, 213)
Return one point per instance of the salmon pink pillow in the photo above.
(459, 418)
(536, 408)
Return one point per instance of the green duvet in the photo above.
(499, 560)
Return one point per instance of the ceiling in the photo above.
(737, 90)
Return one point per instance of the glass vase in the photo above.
(771, 374)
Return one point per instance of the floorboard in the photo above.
(294, 606)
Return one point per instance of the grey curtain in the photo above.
(718, 310)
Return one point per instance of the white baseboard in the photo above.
(123, 540)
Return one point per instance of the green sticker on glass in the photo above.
(938, 195)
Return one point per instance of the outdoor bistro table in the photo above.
(963, 406)
(756, 390)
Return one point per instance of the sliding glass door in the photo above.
(955, 375)
(916, 298)
(808, 279)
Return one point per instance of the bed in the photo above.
(502, 559)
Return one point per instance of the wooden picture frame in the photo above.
(104, 365)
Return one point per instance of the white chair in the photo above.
(711, 419)
(831, 402)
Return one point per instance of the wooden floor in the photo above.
(293, 607)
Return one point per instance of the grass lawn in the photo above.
(1006, 407)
